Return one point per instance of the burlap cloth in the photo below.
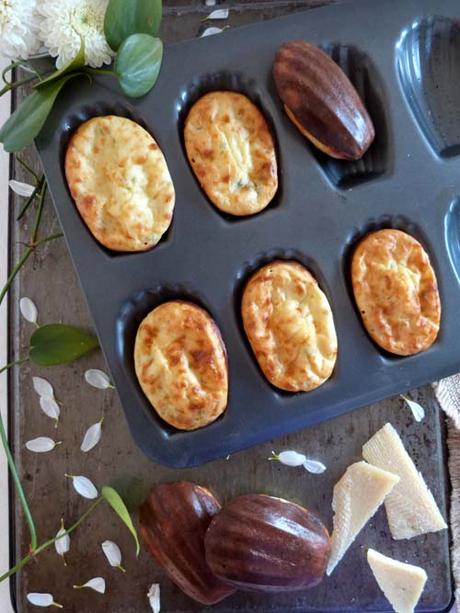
(447, 393)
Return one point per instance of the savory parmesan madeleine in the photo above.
(289, 324)
(181, 364)
(396, 292)
(231, 151)
(120, 182)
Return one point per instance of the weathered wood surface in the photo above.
(50, 281)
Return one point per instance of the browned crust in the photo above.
(181, 364)
(113, 166)
(237, 180)
(321, 100)
(289, 325)
(396, 292)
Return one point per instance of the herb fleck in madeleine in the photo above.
(181, 364)
(231, 151)
(120, 182)
(289, 324)
(396, 292)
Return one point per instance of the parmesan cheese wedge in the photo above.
(411, 508)
(357, 496)
(401, 583)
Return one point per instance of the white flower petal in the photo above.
(92, 437)
(313, 466)
(154, 597)
(210, 2)
(21, 189)
(97, 584)
(291, 458)
(210, 31)
(50, 407)
(67, 23)
(112, 553)
(62, 544)
(43, 387)
(42, 444)
(28, 310)
(218, 14)
(42, 600)
(84, 486)
(417, 410)
(97, 378)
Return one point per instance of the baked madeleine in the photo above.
(120, 182)
(396, 292)
(181, 364)
(232, 153)
(289, 324)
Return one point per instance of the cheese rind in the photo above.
(401, 583)
(357, 496)
(411, 508)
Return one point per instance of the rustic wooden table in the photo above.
(50, 281)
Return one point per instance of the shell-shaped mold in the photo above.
(369, 85)
(428, 61)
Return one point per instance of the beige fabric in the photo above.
(447, 393)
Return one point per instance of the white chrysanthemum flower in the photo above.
(19, 25)
(67, 22)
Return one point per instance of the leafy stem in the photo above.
(17, 483)
(39, 548)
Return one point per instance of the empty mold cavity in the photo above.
(398, 222)
(452, 235)
(68, 126)
(233, 82)
(428, 60)
(133, 311)
(369, 85)
(246, 271)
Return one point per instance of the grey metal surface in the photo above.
(51, 282)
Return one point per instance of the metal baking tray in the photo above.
(410, 179)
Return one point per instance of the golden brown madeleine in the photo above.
(172, 522)
(321, 101)
(181, 364)
(396, 291)
(232, 153)
(289, 324)
(120, 182)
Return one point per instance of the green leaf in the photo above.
(138, 64)
(116, 502)
(75, 64)
(28, 119)
(59, 344)
(126, 17)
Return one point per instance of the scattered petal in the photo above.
(92, 436)
(154, 597)
(289, 458)
(212, 30)
(28, 310)
(62, 542)
(42, 444)
(417, 410)
(113, 554)
(97, 584)
(43, 387)
(50, 407)
(42, 600)
(210, 2)
(313, 466)
(217, 14)
(84, 486)
(21, 189)
(97, 378)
